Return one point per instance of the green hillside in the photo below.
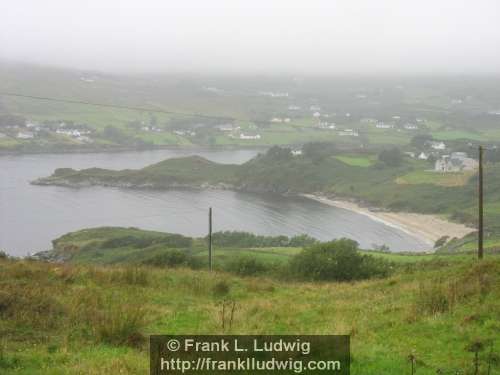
(89, 319)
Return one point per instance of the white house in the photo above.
(349, 133)
(286, 120)
(227, 127)
(273, 94)
(409, 126)
(25, 135)
(296, 152)
(410, 154)
(69, 132)
(247, 136)
(293, 107)
(316, 114)
(423, 156)
(84, 138)
(277, 120)
(315, 108)
(438, 145)
(382, 125)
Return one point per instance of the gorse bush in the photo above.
(337, 260)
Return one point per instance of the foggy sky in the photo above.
(255, 36)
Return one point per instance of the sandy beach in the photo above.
(429, 228)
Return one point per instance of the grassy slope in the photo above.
(88, 246)
(185, 94)
(387, 319)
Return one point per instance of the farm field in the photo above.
(435, 178)
(174, 104)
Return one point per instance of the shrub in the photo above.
(3, 255)
(246, 266)
(392, 157)
(337, 260)
(302, 240)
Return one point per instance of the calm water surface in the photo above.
(31, 216)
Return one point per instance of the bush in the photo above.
(337, 260)
(392, 157)
(302, 240)
(3, 255)
(246, 266)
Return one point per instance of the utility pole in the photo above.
(480, 208)
(210, 238)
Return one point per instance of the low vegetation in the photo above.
(338, 260)
(87, 319)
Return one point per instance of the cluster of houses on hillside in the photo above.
(445, 162)
(274, 94)
(31, 130)
(455, 162)
(151, 129)
(182, 133)
(384, 125)
(279, 120)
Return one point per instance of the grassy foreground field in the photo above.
(93, 313)
(67, 319)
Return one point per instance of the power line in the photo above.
(133, 108)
